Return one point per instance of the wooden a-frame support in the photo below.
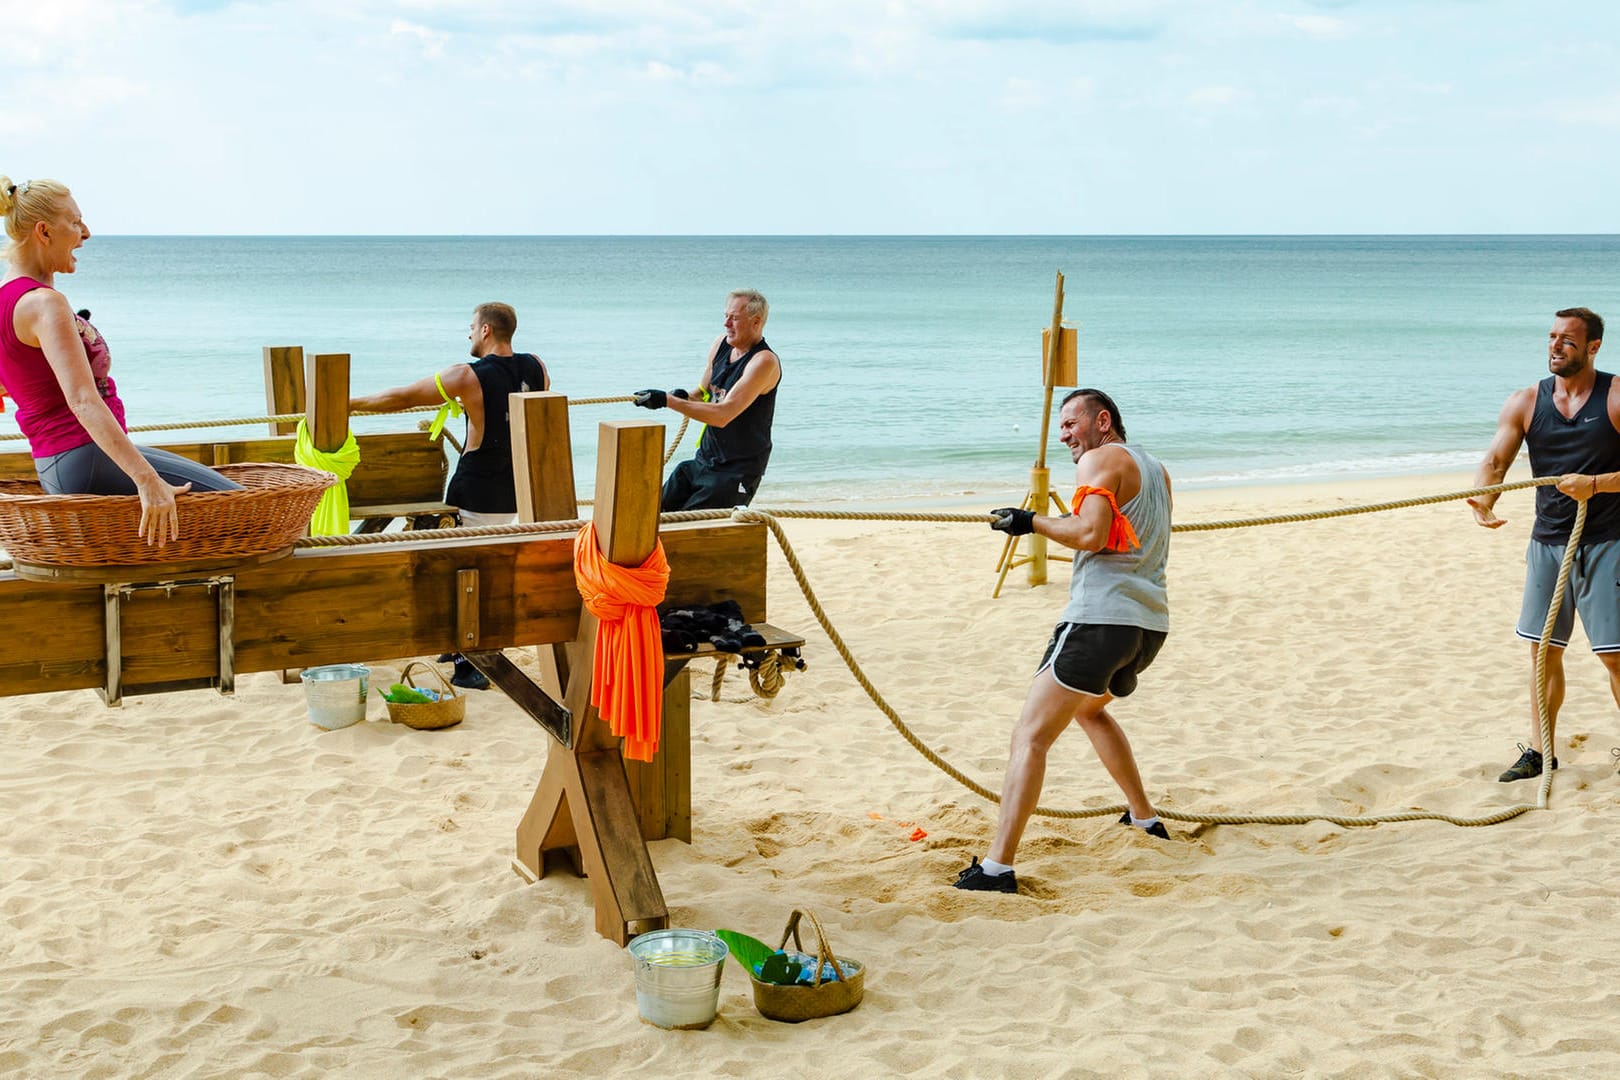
(582, 804)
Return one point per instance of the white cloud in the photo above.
(432, 41)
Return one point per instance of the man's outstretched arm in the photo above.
(456, 378)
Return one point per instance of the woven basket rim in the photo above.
(296, 478)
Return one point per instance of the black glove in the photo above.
(682, 394)
(650, 399)
(1013, 521)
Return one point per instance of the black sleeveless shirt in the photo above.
(744, 445)
(483, 482)
(1584, 443)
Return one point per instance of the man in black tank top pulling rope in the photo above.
(483, 487)
(736, 400)
(1571, 422)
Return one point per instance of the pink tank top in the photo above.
(42, 409)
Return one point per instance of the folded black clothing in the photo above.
(721, 625)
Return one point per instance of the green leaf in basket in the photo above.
(747, 951)
(400, 694)
(780, 970)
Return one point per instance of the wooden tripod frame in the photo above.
(1040, 478)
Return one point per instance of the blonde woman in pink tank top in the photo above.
(70, 412)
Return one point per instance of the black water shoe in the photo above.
(974, 879)
(1156, 829)
(1528, 765)
(468, 677)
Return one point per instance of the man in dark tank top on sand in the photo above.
(1571, 423)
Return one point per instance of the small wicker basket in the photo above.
(448, 711)
(793, 1004)
(270, 512)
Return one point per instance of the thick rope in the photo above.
(1506, 814)
(293, 418)
(680, 432)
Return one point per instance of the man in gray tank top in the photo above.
(1113, 626)
(1571, 423)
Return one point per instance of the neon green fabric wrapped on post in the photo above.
(331, 516)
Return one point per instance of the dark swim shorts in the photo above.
(1100, 658)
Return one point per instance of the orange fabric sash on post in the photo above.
(627, 668)
(1121, 537)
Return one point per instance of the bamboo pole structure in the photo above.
(1040, 477)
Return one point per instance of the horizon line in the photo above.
(846, 236)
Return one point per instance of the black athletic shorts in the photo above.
(1100, 658)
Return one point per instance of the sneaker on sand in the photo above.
(1156, 829)
(974, 879)
(1528, 765)
(468, 677)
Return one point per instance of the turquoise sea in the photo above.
(912, 364)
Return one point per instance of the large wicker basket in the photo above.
(270, 512)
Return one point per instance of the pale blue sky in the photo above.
(840, 116)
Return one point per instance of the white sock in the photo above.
(995, 869)
(1145, 823)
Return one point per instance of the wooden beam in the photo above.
(542, 464)
(338, 604)
(326, 405)
(530, 698)
(543, 468)
(283, 384)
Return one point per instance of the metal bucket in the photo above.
(335, 694)
(678, 977)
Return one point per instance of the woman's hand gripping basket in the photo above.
(837, 985)
(448, 710)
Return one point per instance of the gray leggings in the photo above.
(87, 470)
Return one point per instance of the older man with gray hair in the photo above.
(736, 400)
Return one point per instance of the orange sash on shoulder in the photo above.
(627, 668)
(1121, 537)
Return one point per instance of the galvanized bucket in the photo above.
(678, 977)
(335, 694)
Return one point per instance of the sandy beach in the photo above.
(200, 886)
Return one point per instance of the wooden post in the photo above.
(582, 803)
(284, 384)
(326, 404)
(543, 468)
